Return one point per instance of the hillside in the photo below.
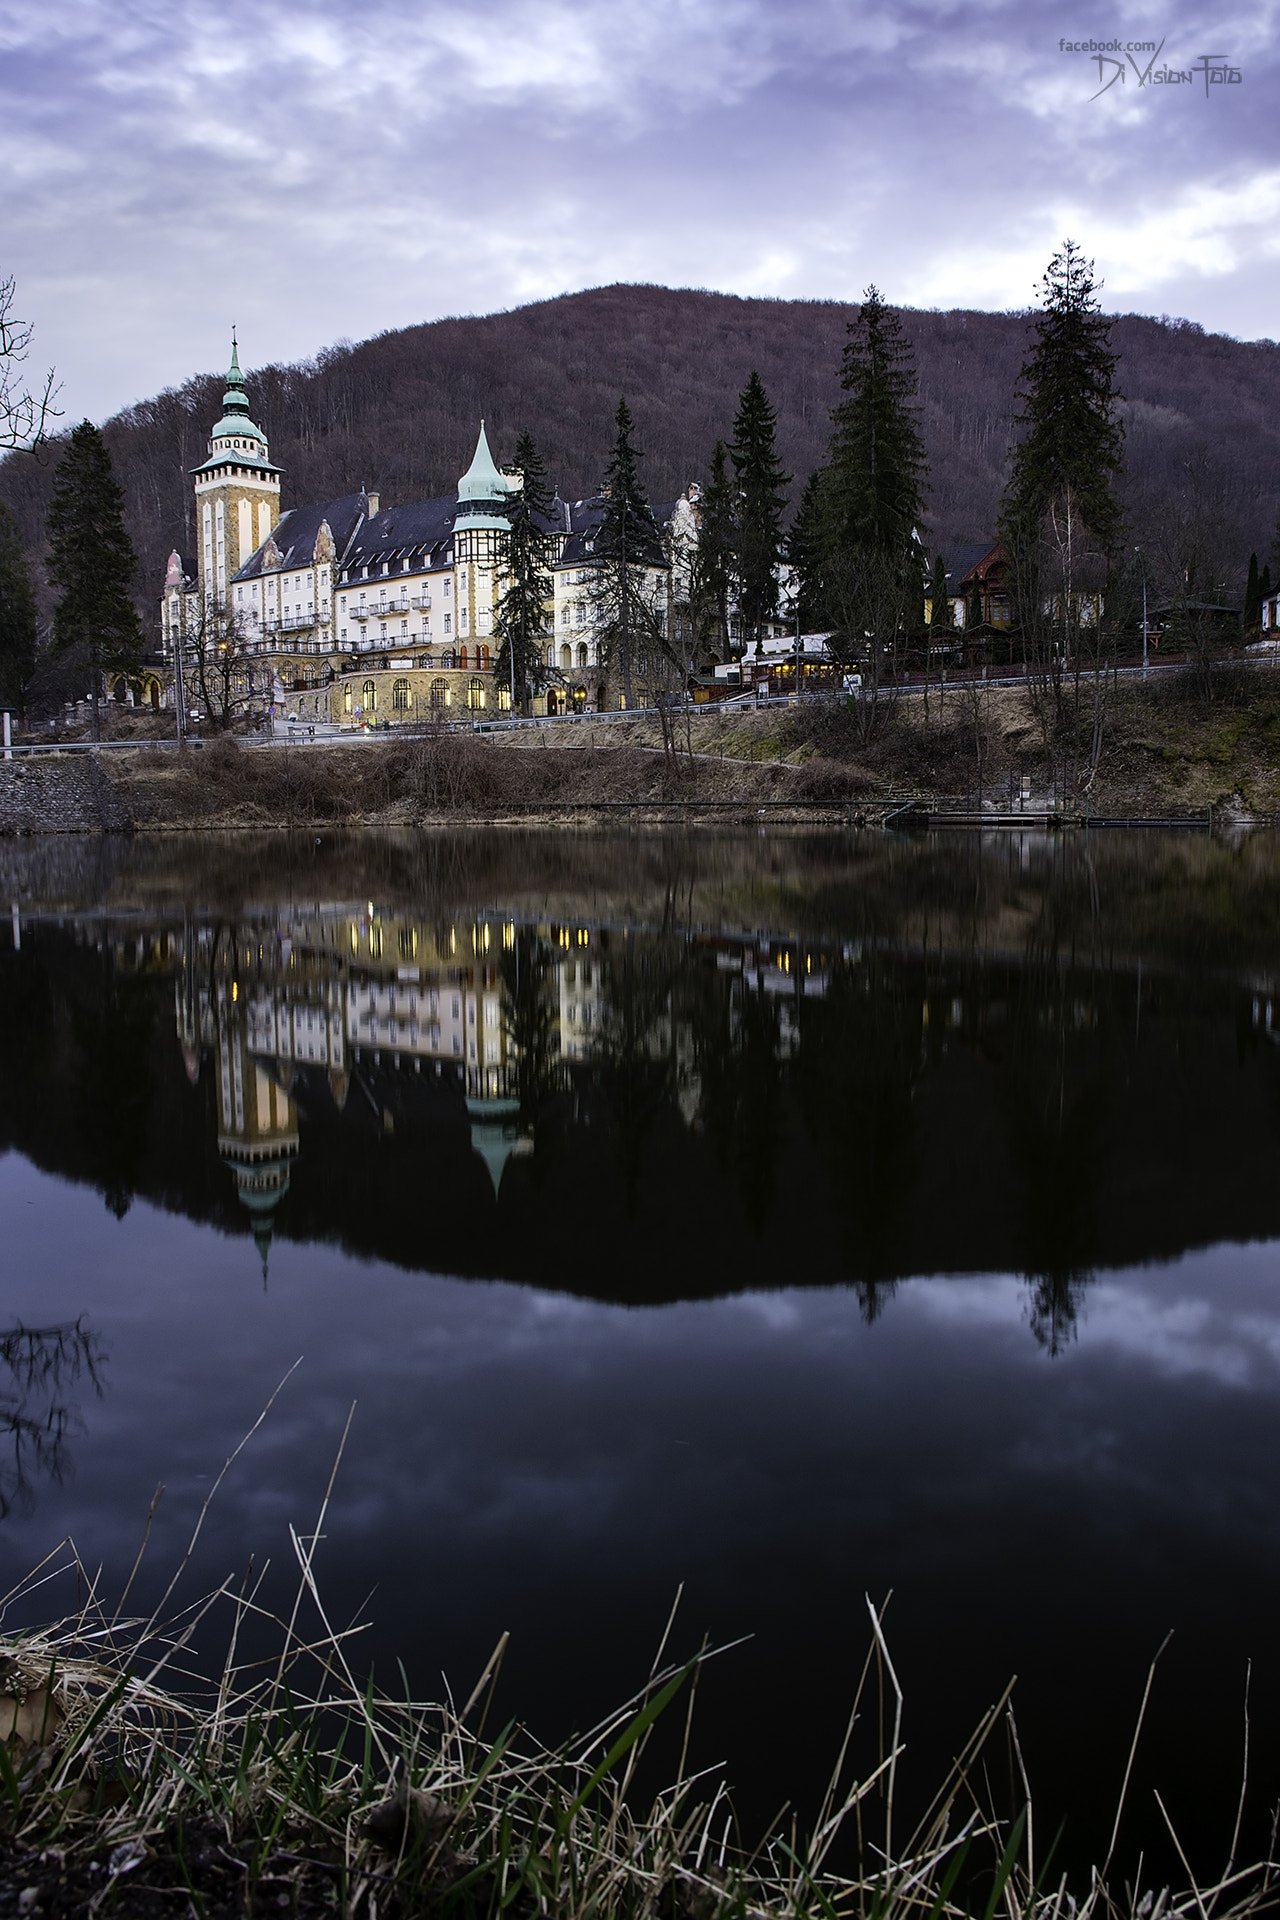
(400, 411)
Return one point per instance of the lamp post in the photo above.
(1143, 558)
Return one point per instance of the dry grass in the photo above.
(131, 1782)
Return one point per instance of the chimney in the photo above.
(372, 498)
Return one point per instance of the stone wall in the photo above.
(48, 794)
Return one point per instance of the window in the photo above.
(551, 656)
(582, 653)
(448, 658)
(582, 613)
(566, 656)
(475, 694)
(564, 614)
(401, 696)
(448, 623)
(370, 696)
(347, 702)
(439, 695)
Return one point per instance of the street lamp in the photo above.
(1142, 557)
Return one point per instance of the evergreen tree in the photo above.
(1265, 588)
(761, 489)
(871, 499)
(1253, 596)
(91, 559)
(18, 627)
(939, 599)
(628, 613)
(877, 462)
(718, 541)
(523, 620)
(974, 612)
(1072, 446)
(806, 551)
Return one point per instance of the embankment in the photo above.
(1142, 751)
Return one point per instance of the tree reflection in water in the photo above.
(41, 1367)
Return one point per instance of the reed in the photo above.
(135, 1781)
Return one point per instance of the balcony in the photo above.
(384, 610)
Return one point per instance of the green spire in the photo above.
(235, 401)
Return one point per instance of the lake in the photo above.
(783, 1219)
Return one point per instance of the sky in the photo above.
(318, 172)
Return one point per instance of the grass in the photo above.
(130, 1783)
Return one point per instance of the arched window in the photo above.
(371, 696)
(475, 694)
(448, 658)
(402, 696)
(347, 701)
(582, 655)
(439, 695)
(425, 660)
(462, 661)
(482, 658)
(551, 656)
(566, 656)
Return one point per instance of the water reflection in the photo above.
(39, 1369)
(999, 1064)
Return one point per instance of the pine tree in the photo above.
(939, 599)
(91, 559)
(974, 613)
(877, 463)
(1072, 447)
(18, 624)
(871, 497)
(718, 541)
(523, 619)
(806, 552)
(1253, 596)
(627, 549)
(761, 490)
(1265, 588)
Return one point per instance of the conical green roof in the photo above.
(482, 481)
(248, 443)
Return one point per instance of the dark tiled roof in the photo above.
(411, 532)
(296, 532)
(961, 561)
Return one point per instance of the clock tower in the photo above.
(237, 491)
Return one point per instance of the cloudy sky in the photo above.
(317, 171)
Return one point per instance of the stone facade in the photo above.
(347, 614)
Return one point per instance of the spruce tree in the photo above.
(872, 498)
(523, 619)
(1072, 446)
(627, 549)
(806, 552)
(1253, 596)
(762, 499)
(18, 624)
(718, 541)
(974, 612)
(939, 599)
(877, 462)
(91, 559)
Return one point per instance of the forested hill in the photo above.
(400, 412)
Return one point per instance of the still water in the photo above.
(784, 1219)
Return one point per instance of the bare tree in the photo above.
(25, 417)
(217, 658)
(1193, 552)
